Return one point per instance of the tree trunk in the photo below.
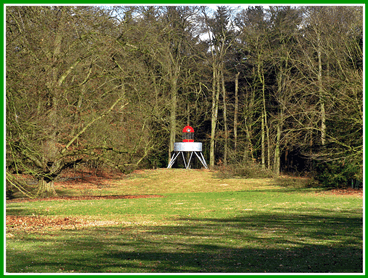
(225, 118)
(264, 118)
(280, 121)
(173, 115)
(263, 151)
(214, 112)
(268, 144)
(248, 124)
(277, 163)
(320, 90)
(50, 149)
(236, 109)
(248, 149)
(46, 188)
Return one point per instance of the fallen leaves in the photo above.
(79, 198)
(343, 191)
(41, 223)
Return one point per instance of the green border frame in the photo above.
(163, 2)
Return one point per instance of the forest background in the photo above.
(276, 90)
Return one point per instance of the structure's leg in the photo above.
(205, 164)
(173, 158)
(201, 159)
(185, 163)
(190, 158)
(171, 161)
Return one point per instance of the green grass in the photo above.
(199, 226)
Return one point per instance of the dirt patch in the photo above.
(42, 224)
(345, 191)
(81, 198)
(32, 224)
(79, 180)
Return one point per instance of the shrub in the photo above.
(244, 170)
(337, 174)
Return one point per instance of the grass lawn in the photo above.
(201, 224)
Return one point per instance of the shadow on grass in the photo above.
(18, 209)
(253, 243)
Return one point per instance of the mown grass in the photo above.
(202, 224)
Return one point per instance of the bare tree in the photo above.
(221, 38)
(66, 86)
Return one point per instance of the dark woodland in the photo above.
(270, 91)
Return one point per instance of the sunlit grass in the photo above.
(183, 181)
(209, 225)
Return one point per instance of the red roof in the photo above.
(188, 129)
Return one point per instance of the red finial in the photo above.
(188, 134)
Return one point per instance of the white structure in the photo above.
(188, 145)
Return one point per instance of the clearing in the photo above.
(175, 220)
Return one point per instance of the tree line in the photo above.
(280, 87)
